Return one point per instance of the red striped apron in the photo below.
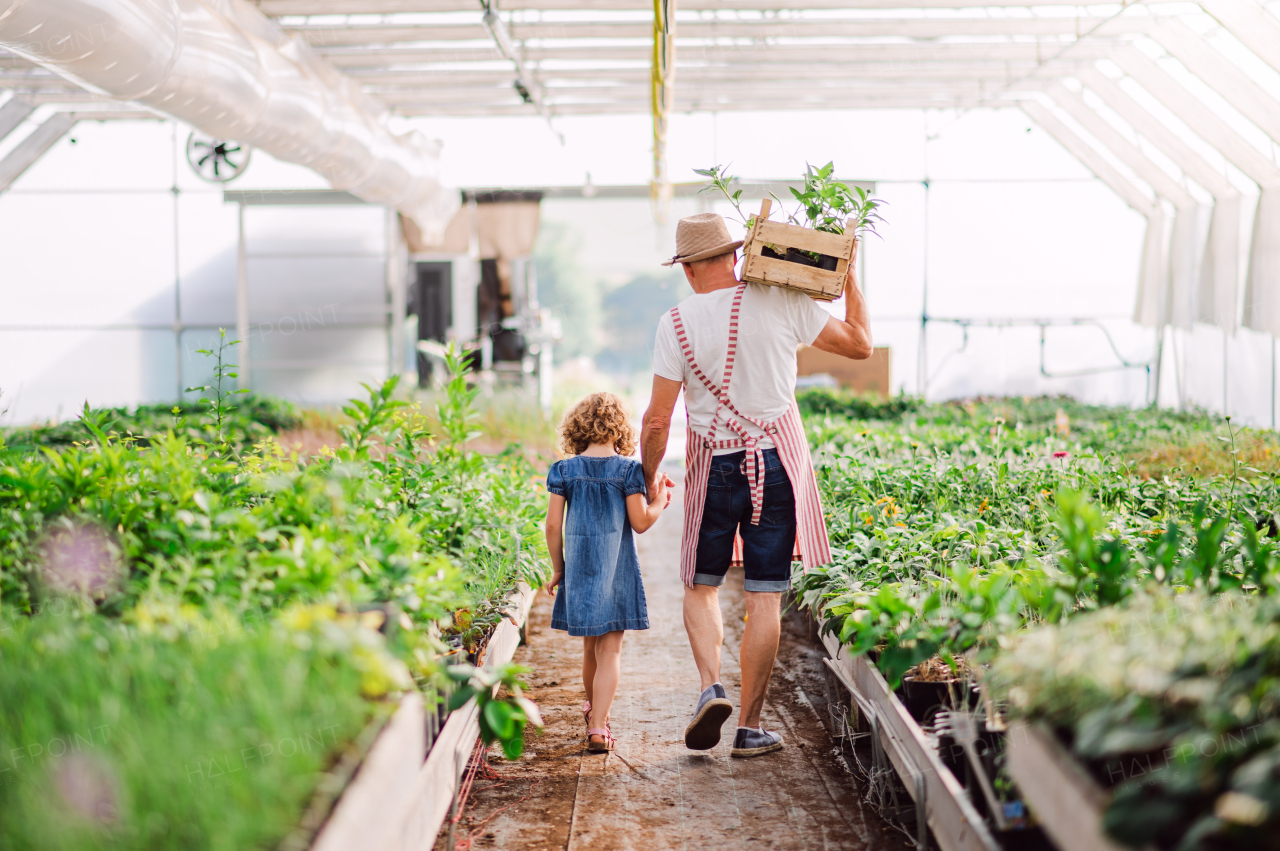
(787, 432)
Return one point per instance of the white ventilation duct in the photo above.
(225, 69)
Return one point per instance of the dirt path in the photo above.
(653, 794)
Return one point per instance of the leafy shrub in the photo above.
(1170, 699)
(957, 523)
(176, 730)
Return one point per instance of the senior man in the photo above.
(732, 347)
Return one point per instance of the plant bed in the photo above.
(405, 788)
(1158, 714)
(939, 797)
(1067, 802)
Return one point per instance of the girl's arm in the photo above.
(555, 541)
(642, 513)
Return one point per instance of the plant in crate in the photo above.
(813, 250)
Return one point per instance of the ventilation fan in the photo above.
(214, 160)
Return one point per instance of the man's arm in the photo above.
(852, 337)
(655, 429)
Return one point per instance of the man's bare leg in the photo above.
(759, 649)
(703, 623)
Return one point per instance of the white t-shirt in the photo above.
(771, 322)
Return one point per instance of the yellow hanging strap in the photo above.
(661, 98)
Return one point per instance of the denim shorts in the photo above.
(766, 548)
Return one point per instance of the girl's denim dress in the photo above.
(602, 591)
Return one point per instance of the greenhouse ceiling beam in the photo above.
(1152, 281)
(1158, 133)
(700, 73)
(13, 113)
(1090, 158)
(641, 107)
(1218, 285)
(1039, 52)
(780, 90)
(1262, 286)
(388, 7)
(27, 152)
(1256, 28)
(1124, 150)
(328, 35)
(1174, 300)
(1221, 75)
(1197, 115)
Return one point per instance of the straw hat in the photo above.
(700, 237)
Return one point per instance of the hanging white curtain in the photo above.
(1262, 289)
(1216, 298)
(1184, 251)
(1153, 278)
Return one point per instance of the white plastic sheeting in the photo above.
(1177, 303)
(1262, 291)
(225, 69)
(1153, 275)
(1263, 283)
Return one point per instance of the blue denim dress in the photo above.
(602, 591)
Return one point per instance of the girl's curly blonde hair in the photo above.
(599, 418)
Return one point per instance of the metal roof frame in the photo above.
(594, 57)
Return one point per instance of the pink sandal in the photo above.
(586, 712)
(600, 747)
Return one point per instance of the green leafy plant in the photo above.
(502, 719)
(824, 204)
(219, 400)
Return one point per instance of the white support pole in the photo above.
(242, 304)
(397, 271)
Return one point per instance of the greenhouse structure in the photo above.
(884, 391)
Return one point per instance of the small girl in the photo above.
(593, 551)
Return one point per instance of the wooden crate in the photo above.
(816, 283)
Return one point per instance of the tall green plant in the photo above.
(218, 403)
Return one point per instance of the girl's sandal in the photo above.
(586, 712)
(607, 741)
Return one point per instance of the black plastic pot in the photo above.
(924, 699)
(825, 261)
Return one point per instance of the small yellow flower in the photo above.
(982, 506)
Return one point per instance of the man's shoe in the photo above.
(714, 708)
(755, 741)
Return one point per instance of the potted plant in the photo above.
(812, 251)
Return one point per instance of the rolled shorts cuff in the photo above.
(713, 580)
(766, 585)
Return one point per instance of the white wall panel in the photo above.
(94, 259)
(49, 375)
(1031, 250)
